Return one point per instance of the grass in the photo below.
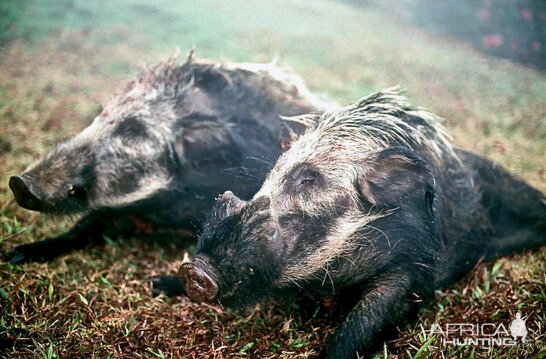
(60, 60)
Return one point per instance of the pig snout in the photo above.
(23, 194)
(198, 284)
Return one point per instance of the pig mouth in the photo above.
(24, 195)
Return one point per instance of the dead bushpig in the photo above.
(162, 150)
(371, 206)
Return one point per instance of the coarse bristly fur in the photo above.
(371, 206)
(164, 148)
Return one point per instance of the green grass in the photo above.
(61, 59)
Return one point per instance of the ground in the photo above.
(59, 60)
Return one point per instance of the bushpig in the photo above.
(162, 150)
(371, 207)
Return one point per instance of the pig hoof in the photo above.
(21, 254)
(26, 253)
(169, 285)
(15, 257)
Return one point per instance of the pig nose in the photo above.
(23, 194)
(198, 284)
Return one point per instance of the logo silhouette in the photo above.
(518, 328)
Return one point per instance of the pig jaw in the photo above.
(24, 194)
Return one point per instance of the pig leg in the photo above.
(88, 230)
(169, 285)
(385, 304)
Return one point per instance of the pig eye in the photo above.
(306, 181)
(301, 178)
(76, 191)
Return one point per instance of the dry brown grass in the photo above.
(96, 304)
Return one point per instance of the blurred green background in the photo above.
(340, 49)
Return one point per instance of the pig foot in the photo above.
(48, 249)
(88, 231)
(169, 285)
(380, 307)
(33, 252)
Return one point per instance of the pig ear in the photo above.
(396, 177)
(227, 204)
(212, 79)
(288, 136)
(206, 142)
(293, 127)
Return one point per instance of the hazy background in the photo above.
(76, 54)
